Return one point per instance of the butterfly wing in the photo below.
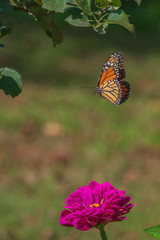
(121, 66)
(125, 86)
(110, 70)
(112, 91)
(126, 91)
(110, 85)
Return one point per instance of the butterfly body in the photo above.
(110, 85)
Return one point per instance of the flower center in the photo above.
(94, 205)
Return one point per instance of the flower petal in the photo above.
(80, 224)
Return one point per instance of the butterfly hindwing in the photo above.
(126, 91)
(121, 66)
(112, 91)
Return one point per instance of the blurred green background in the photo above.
(57, 136)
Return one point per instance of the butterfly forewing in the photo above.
(110, 70)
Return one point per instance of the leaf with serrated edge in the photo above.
(120, 17)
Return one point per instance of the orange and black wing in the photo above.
(126, 91)
(110, 70)
(121, 66)
(111, 90)
(110, 85)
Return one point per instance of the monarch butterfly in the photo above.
(110, 85)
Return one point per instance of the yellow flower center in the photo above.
(94, 205)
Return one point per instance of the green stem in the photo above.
(94, 17)
(103, 233)
(103, 16)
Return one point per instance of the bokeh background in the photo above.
(57, 136)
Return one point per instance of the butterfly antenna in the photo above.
(87, 87)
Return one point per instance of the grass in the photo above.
(56, 137)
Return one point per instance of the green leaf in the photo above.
(56, 5)
(72, 1)
(74, 11)
(102, 3)
(116, 3)
(55, 34)
(138, 2)
(153, 231)
(10, 81)
(51, 29)
(85, 5)
(5, 6)
(76, 17)
(5, 30)
(38, 2)
(120, 17)
(76, 22)
(105, 3)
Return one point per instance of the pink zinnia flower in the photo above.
(95, 205)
